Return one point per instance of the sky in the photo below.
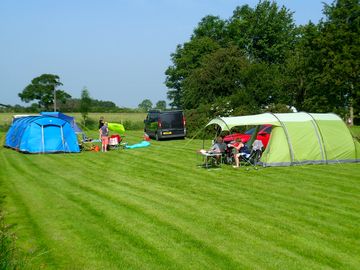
(117, 49)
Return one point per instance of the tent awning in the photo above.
(227, 123)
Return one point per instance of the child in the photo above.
(104, 137)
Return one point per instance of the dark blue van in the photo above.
(165, 124)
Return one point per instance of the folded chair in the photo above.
(114, 141)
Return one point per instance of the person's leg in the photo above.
(102, 144)
(236, 157)
(106, 143)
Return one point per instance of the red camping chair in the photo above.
(114, 141)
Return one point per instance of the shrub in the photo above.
(196, 119)
(133, 125)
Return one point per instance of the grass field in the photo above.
(153, 208)
(6, 118)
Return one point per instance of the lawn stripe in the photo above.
(153, 207)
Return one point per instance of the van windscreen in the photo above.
(172, 120)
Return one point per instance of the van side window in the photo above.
(153, 117)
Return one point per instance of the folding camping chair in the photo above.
(114, 141)
(252, 157)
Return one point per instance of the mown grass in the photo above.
(153, 208)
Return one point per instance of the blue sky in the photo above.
(118, 49)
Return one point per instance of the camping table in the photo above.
(209, 155)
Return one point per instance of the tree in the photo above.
(161, 105)
(211, 27)
(219, 75)
(145, 105)
(266, 33)
(85, 104)
(186, 58)
(42, 88)
(340, 56)
(301, 70)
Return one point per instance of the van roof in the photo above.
(159, 111)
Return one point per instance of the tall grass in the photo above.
(7, 245)
(10, 257)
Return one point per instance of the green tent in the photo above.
(300, 138)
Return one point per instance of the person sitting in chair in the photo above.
(217, 149)
(237, 148)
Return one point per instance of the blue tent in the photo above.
(64, 117)
(42, 134)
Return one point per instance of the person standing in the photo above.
(101, 121)
(104, 136)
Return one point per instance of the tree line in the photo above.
(45, 94)
(259, 60)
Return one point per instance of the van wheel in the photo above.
(157, 136)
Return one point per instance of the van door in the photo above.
(172, 124)
(153, 123)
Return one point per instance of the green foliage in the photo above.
(233, 64)
(133, 125)
(266, 33)
(211, 27)
(258, 59)
(196, 119)
(219, 75)
(340, 54)
(85, 104)
(161, 105)
(145, 105)
(186, 58)
(42, 88)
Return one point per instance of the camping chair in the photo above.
(114, 141)
(252, 157)
(85, 143)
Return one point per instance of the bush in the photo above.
(133, 125)
(91, 124)
(4, 127)
(196, 119)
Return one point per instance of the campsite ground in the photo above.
(153, 208)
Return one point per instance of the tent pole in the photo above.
(320, 138)
(42, 139)
(287, 138)
(62, 138)
(253, 136)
